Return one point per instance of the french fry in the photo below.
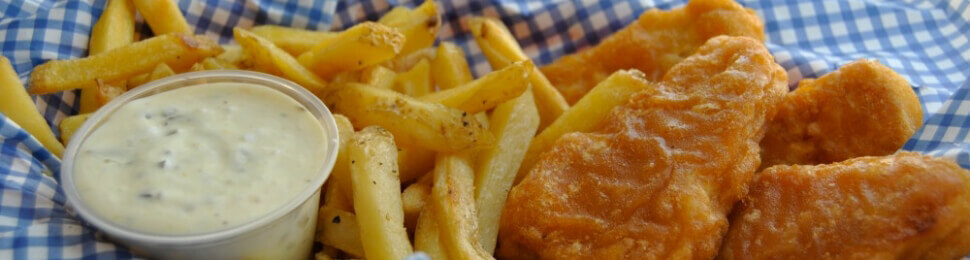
(486, 92)
(514, 123)
(160, 72)
(163, 16)
(395, 14)
(106, 92)
(292, 40)
(115, 28)
(404, 63)
(378, 76)
(211, 63)
(413, 122)
(235, 56)
(453, 203)
(414, 161)
(416, 82)
(197, 67)
(70, 124)
(361, 46)
(427, 236)
(340, 175)
(336, 197)
(17, 105)
(449, 68)
(413, 199)
(377, 194)
(273, 60)
(138, 80)
(501, 49)
(339, 229)
(587, 113)
(179, 51)
(420, 26)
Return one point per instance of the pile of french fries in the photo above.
(427, 152)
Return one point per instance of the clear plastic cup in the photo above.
(284, 233)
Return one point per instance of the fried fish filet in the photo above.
(652, 44)
(861, 109)
(659, 177)
(902, 206)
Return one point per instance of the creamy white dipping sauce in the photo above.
(199, 159)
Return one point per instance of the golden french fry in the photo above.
(106, 92)
(413, 199)
(335, 197)
(115, 28)
(501, 49)
(160, 72)
(587, 113)
(416, 82)
(179, 51)
(486, 92)
(427, 237)
(339, 229)
(88, 100)
(340, 175)
(453, 202)
(514, 123)
(420, 25)
(17, 105)
(163, 16)
(361, 46)
(273, 60)
(449, 67)
(292, 40)
(397, 13)
(196, 67)
(138, 80)
(414, 161)
(211, 63)
(377, 194)
(235, 57)
(378, 76)
(404, 63)
(70, 124)
(413, 122)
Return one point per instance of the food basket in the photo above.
(928, 42)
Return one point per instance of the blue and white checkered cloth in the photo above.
(928, 42)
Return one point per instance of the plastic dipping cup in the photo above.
(283, 233)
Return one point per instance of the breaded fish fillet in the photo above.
(861, 109)
(659, 177)
(652, 44)
(902, 206)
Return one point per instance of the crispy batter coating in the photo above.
(861, 109)
(658, 178)
(652, 44)
(902, 206)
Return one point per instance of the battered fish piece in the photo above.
(902, 206)
(659, 177)
(861, 109)
(652, 44)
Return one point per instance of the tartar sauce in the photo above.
(199, 159)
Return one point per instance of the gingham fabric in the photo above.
(925, 41)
